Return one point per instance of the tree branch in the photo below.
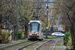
(70, 8)
(69, 18)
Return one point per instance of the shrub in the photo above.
(1, 38)
(4, 36)
(20, 34)
(9, 34)
(67, 34)
(69, 44)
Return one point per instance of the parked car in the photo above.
(57, 34)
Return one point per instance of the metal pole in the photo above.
(47, 21)
(17, 18)
(0, 22)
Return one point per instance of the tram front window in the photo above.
(34, 27)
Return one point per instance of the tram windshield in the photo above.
(34, 27)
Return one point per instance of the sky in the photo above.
(50, 1)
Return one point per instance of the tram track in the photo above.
(41, 45)
(44, 44)
(22, 48)
(48, 45)
(54, 45)
(15, 46)
(34, 46)
(26, 47)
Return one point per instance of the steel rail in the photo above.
(27, 45)
(41, 45)
(12, 45)
(54, 45)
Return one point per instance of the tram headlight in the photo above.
(30, 34)
(28, 23)
(37, 34)
(40, 23)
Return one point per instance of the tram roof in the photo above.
(35, 21)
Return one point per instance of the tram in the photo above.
(35, 29)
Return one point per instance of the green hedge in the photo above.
(66, 38)
(20, 34)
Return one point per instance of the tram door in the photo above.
(41, 31)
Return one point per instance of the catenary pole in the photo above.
(47, 21)
(17, 18)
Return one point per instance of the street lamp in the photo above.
(47, 21)
(17, 18)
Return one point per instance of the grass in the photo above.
(17, 46)
(57, 47)
(13, 43)
(35, 45)
(40, 42)
(51, 37)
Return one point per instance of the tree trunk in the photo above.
(14, 32)
(0, 22)
(26, 29)
(72, 35)
(0, 29)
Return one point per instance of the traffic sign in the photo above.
(46, 27)
(47, 9)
